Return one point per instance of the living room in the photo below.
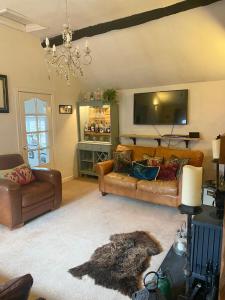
(178, 45)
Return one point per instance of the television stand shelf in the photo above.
(159, 138)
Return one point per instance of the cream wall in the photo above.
(206, 114)
(22, 60)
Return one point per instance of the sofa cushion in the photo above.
(138, 151)
(153, 160)
(180, 161)
(168, 172)
(120, 180)
(122, 161)
(195, 156)
(144, 172)
(16, 289)
(159, 187)
(35, 192)
(21, 174)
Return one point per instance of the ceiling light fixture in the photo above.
(67, 61)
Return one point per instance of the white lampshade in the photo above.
(192, 186)
(216, 149)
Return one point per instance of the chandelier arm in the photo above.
(78, 67)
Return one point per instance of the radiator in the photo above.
(206, 242)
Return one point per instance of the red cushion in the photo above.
(21, 174)
(168, 172)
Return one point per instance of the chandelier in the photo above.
(67, 61)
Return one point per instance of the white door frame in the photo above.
(19, 114)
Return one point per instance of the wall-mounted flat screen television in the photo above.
(161, 108)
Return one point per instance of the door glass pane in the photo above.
(29, 106)
(33, 158)
(44, 156)
(32, 141)
(31, 123)
(43, 139)
(42, 123)
(41, 107)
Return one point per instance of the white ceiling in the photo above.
(185, 47)
(82, 13)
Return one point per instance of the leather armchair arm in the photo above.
(104, 167)
(8, 185)
(52, 176)
(10, 203)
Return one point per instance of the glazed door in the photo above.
(36, 128)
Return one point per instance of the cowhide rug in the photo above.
(119, 264)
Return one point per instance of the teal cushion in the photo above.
(144, 172)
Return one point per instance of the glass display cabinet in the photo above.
(98, 128)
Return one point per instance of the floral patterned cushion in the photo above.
(153, 160)
(122, 161)
(180, 161)
(21, 174)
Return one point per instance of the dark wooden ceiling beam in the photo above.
(133, 20)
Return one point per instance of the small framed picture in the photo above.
(65, 109)
(4, 102)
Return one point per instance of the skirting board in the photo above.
(69, 178)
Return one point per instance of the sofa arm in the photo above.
(104, 167)
(10, 203)
(54, 177)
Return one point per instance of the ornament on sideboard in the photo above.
(98, 94)
(109, 96)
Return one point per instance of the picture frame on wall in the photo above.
(4, 100)
(65, 109)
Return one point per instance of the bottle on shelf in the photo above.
(101, 128)
(96, 127)
(108, 128)
(86, 127)
(93, 127)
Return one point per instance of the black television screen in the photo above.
(161, 108)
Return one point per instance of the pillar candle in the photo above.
(216, 149)
(192, 186)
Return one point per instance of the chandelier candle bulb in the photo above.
(47, 42)
(216, 149)
(68, 38)
(192, 186)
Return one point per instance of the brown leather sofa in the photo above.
(156, 191)
(19, 204)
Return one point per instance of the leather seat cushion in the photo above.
(161, 187)
(35, 192)
(120, 180)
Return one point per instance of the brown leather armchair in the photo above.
(19, 204)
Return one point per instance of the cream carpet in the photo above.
(55, 242)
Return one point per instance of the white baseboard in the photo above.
(69, 178)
